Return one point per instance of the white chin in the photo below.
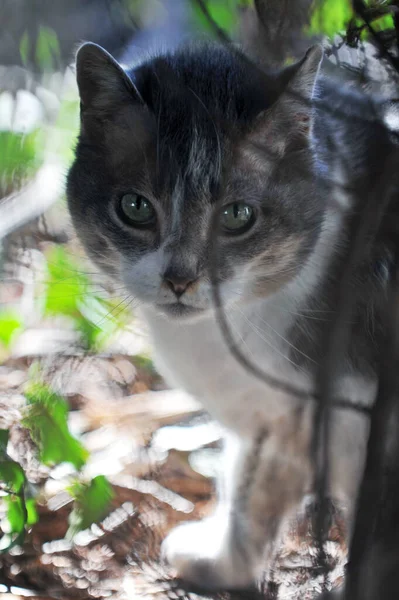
(179, 311)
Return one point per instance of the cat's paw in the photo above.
(200, 553)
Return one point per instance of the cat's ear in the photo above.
(290, 117)
(103, 84)
(302, 79)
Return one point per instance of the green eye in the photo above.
(237, 217)
(137, 210)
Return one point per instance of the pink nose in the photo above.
(178, 285)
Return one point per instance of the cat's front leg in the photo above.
(262, 479)
(205, 552)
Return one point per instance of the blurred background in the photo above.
(97, 458)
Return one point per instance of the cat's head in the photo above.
(165, 145)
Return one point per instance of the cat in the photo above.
(283, 159)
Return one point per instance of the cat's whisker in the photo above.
(284, 339)
(63, 296)
(261, 334)
(302, 313)
(112, 314)
(241, 337)
(126, 304)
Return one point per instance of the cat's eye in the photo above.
(236, 217)
(137, 210)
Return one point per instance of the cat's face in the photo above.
(197, 140)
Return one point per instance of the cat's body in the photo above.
(201, 127)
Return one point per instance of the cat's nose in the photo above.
(178, 284)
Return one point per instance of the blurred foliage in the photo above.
(70, 292)
(21, 155)
(66, 283)
(13, 480)
(44, 49)
(24, 48)
(91, 503)
(13, 524)
(12, 475)
(223, 12)
(46, 417)
(47, 51)
(20, 514)
(10, 324)
(330, 17)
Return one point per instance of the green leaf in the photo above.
(99, 319)
(329, 17)
(47, 52)
(89, 332)
(66, 284)
(69, 293)
(10, 324)
(47, 420)
(67, 289)
(383, 23)
(21, 156)
(19, 510)
(4, 435)
(16, 513)
(12, 475)
(31, 513)
(91, 503)
(14, 522)
(222, 12)
(144, 362)
(24, 48)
